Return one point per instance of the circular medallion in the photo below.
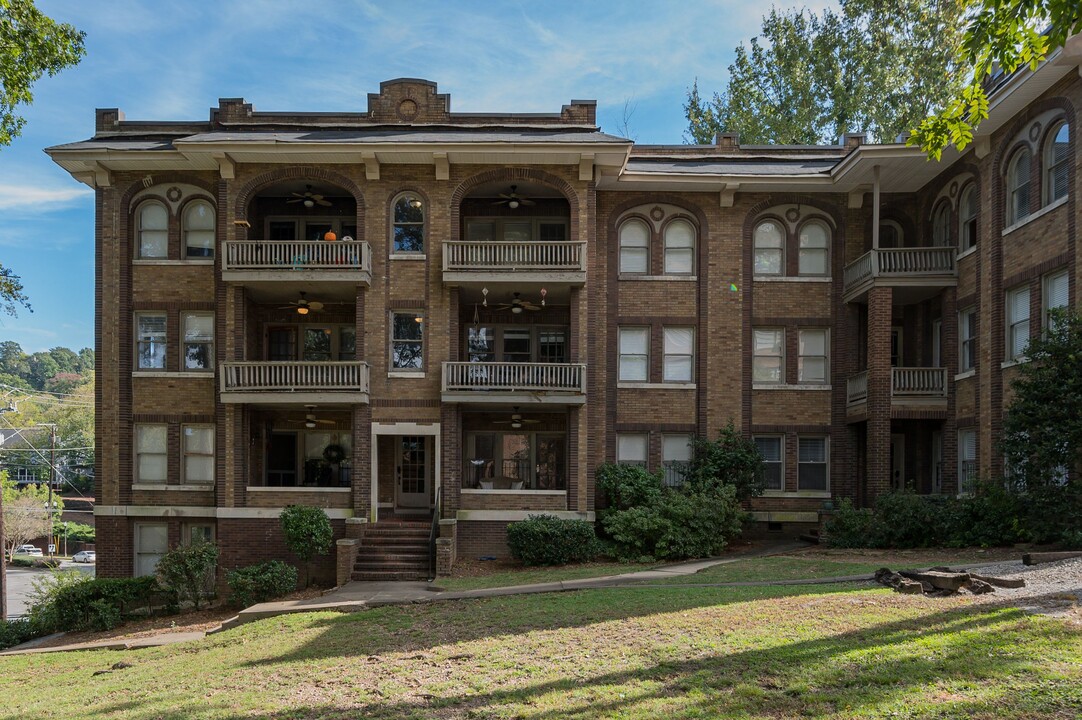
(1034, 132)
(173, 193)
(792, 215)
(656, 213)
(954, 189)
(407, 109)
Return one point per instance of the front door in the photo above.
(412, 491)
(897, 462)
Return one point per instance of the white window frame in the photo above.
(631, 251)
(1048, 295)
(671, 372)
(1018, 187)
(779, 463)
(801, 355)
(140, 230)
(756, 355)
(803, 252)
(151, 338)
(763, 250)
(825, 462)
(968, 224)
(206, 341)
(1017, 323)
(140, 437)
(673, 466)
(202, 252)
(628, 332)
(418, 316)
(409, 197)
(141, 556)
(1052, 164)
(967, 338)
(627, 449)
(673, 251)
(188, 454)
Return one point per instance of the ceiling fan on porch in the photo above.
(516, 420)
(517, 305)
(309, 198)
(514, 199)
(310, 420)
(303, 305)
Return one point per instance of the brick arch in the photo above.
(931, 199)
(136, 187)
(303, 172)
(659, 199)
(510, 175)
(828, 209)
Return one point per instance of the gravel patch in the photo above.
(1053, 588)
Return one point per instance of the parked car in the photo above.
(30, 550)
(87, 556)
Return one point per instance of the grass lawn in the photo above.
(642, 652)
(505, 573)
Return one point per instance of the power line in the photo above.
(48, 462)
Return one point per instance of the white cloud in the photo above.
(22, 197)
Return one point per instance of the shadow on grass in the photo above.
(992, 661)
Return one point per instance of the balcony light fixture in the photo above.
(513, 204)
(415, 203)
(302, 309)
(310, 424)
(516, 424)
(516, 309)
(309, 203)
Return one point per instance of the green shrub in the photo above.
(634, 533)
(307, 533)
(261, 582)
(70, 600)
(15, 632)
(700, 524)
(187, 570)
(731, 460)
(628, 486)
(849, 527)
(548, 540)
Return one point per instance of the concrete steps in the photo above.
(393, 550)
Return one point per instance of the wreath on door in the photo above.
(334, 454)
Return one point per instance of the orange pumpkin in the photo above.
(329, 236)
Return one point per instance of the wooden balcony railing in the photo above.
(308, 377)
(506, 376)
(459, 256)
(917, 382)
(857, 388)
(296, 255)
(914, 263)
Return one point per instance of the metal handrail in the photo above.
(432, 535)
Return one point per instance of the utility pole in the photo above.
(52, 481)
(3, 544)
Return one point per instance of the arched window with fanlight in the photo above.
(941, 224)
(153, 230)
(967, 218)
(409, 224)
(1056, 163)
(634, 247)
(199, 229)
(679, 248)
(768, 239)
(814, 248)
(1018, 186)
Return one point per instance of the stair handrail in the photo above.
(432, 535)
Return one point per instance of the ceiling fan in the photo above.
(516, 420)
(517, 305)
(310, 420)
(309, 199)
(514, 199)
(302, 305)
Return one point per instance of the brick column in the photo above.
(451, 442)
(361, 473)
(877, 480)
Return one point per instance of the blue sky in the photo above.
(172, 60)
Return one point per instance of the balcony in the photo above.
(297, 260)
(916, 386)
(918, 272)
(294, 382)
(514, 382)
(506, 261)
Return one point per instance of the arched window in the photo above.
(1018, 187)
(941, 224)
(153, 230)
(679, 248)
(634, 247)
(890, 234)
(769, 241)
(409, 224)
(814, 249)
(967, 218)
(1056, 163)
(199, 229)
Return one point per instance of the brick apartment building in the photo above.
(385, 312)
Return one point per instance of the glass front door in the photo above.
(411, 473)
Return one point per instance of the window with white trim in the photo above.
(967, 339)
(1017, 311)
(814, 250)
(1018, 187)
(812, 466)
(941, 225)
(153, 232)
(679, 248)
(197, 446)
(631, 449)
(772, 448)
(769, 241)
(151, 453)
(198, 348)
(199, 222)
(407, 341)
(1054, 296)
(967, 461)
(1056, 163)
(150, 341)
(678, 363)
(768, 355)
(634, 354)
(967, 218)
(409, 224)
(151, 542)
(634, 247)
(813, 365)
(675, 457)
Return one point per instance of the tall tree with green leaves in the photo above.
(1009, 34)
(877, 67)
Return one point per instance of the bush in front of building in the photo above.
(71, 600)
(549, 540)
(261, 582)
(307, 532)
(187, 570)
(15, 632)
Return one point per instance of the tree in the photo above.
(1006, 33)
(25, 515)
(873, 67)
(732, 459)
(1042, 429)
(307, 533)
(188, 570)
